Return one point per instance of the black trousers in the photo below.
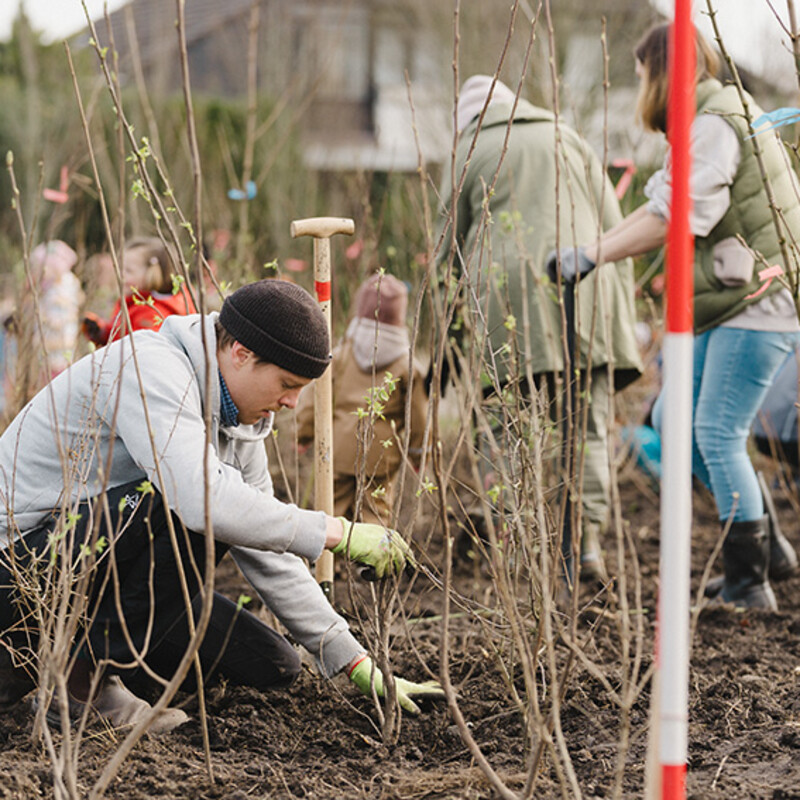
(135, 587)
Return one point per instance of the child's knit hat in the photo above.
(53, 258)
(281, 323)
(383, 298)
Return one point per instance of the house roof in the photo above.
(155, 20)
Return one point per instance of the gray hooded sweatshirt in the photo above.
(55, 454)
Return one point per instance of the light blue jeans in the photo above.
(733, 369)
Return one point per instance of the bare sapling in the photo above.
(59, 582)
(539, 624)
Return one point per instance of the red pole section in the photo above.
(672, 650)
(680, 115)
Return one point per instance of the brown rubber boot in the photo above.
(116, 705)
(119, 706)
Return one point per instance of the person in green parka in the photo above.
(526, 184)
(743, 329)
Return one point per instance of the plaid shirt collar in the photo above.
(229, 414)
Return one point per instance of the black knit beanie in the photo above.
(281, 323)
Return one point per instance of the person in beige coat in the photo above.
(373, 376)
(523, 183)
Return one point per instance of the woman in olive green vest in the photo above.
(742, 335)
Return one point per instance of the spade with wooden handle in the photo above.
(321, 229)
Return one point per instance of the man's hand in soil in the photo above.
(364, 674)
(379, 549)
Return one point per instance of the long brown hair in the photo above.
(652, 52)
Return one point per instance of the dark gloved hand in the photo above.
(364, 674)
(573, 262)
(379, 549)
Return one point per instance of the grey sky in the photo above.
(54, 18)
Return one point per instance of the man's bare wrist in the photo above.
(334, 531)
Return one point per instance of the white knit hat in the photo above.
(473, 95)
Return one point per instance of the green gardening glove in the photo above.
(378, 548)
(364, 675)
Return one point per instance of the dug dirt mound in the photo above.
(322, 739)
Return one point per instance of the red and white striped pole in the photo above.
(672, 649)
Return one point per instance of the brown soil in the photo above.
(322, 740)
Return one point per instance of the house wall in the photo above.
(339, 68)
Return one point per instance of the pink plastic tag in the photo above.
(766, 275)
(627, 176)
(60, 195)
